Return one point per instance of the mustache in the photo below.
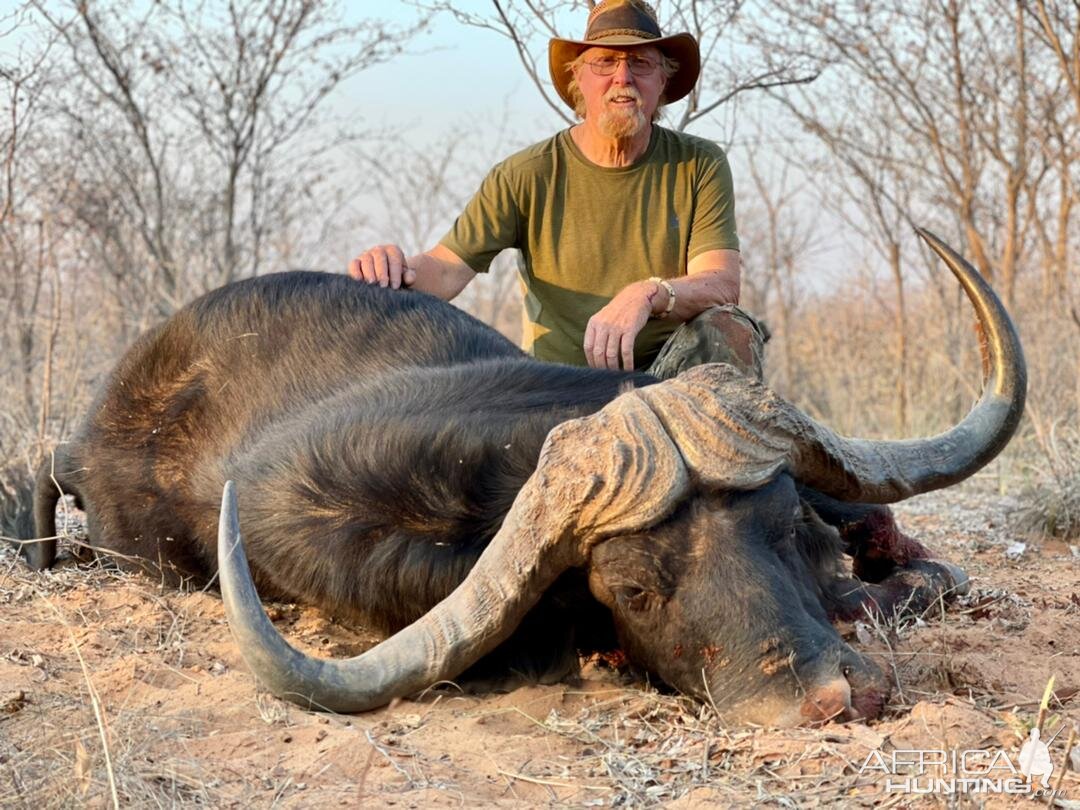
(630, 92)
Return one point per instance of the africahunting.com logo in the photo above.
(978, 770)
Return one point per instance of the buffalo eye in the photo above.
(797, 520)
(637, 599)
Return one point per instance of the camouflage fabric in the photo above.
(723, 334)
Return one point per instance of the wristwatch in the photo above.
(660, 282)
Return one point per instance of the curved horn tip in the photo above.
(953, 259)
(229, 522)
(920, 465)
(933, 240)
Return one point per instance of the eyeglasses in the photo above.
(606, 65)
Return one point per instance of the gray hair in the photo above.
(668, 66)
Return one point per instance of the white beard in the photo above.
(622, 124)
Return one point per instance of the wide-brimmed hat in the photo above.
(618, 24)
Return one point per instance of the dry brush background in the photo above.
(150, 153)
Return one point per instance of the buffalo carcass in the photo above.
(396, 461)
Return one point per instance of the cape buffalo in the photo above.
(397, 461)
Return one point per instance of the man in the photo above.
(626, 229)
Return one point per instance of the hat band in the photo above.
(615, 32)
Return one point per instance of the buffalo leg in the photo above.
(870, 535)
(909, 590)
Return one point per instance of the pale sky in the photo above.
(455, 73)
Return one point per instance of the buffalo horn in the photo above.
(601, 475)
(889, 471)
(733, 432)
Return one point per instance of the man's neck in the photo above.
(610, 152)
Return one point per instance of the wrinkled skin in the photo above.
(727, 601)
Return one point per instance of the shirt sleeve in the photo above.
(489, 224)
(713, 225)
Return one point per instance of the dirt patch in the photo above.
(109, 682)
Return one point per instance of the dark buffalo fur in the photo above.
(377, 439)
(16, 503)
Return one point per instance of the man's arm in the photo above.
(438, 271)
(713, 279)
(488, 225)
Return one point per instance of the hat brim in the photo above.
(683, 48)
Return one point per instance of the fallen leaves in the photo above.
(12, 702)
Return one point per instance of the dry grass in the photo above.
(1051, 503)
(80, 755)
(603, 743)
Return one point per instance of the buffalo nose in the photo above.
(830, 700)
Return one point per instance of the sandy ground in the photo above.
(112, 685)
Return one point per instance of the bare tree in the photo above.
(25, 239)
(951, 92)
(778, 238)
(421, 190)
(727, 71)
(932, 114)
(1059, 27)
(202, 127)
(1056, 26)
(148, 153)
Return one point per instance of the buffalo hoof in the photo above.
(930, 580)
(961, 583)
(908, 590)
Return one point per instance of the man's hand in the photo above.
(384, 265)
(610, 334)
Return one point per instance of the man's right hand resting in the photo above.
(384, 265)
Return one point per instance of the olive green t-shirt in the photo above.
(587, 231)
